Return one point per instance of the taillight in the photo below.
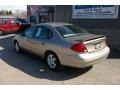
(79, 47)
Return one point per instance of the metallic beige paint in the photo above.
(62, 46)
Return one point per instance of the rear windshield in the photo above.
(70, 30)
(22, 20)
(15, 21)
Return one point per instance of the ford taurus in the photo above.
(63, 44)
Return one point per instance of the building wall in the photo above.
(63, 13)
(108, 27)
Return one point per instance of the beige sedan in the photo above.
(63, 44)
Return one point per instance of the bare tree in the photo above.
(20, 14)
(10, 13)
(6, 12)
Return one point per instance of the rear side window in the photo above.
(43, 33)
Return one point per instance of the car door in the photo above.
(41, 39)
(27, 37)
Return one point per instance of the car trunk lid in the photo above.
(92, 42)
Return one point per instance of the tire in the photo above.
(1, 32)
(52, 61)
(17, 47)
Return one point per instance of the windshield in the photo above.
(70, 30)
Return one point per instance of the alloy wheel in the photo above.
(51, 60)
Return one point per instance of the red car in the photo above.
(9, 24)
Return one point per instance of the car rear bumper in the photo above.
(84, 60)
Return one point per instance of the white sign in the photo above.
(95, 11)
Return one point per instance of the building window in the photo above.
(32, 19)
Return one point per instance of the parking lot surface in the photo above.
(29, 69)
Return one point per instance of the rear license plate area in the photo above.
(97, 46)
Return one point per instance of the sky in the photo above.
(13, 7)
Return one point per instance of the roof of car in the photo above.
(54, 24)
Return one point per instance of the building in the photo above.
(40, 14)
(98, 19)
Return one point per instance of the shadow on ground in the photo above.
(114, 54)
(34, 66)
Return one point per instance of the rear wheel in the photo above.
(52, 61)
(17, 47)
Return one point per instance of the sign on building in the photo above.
(95, 11)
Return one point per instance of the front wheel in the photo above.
(52, 61)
